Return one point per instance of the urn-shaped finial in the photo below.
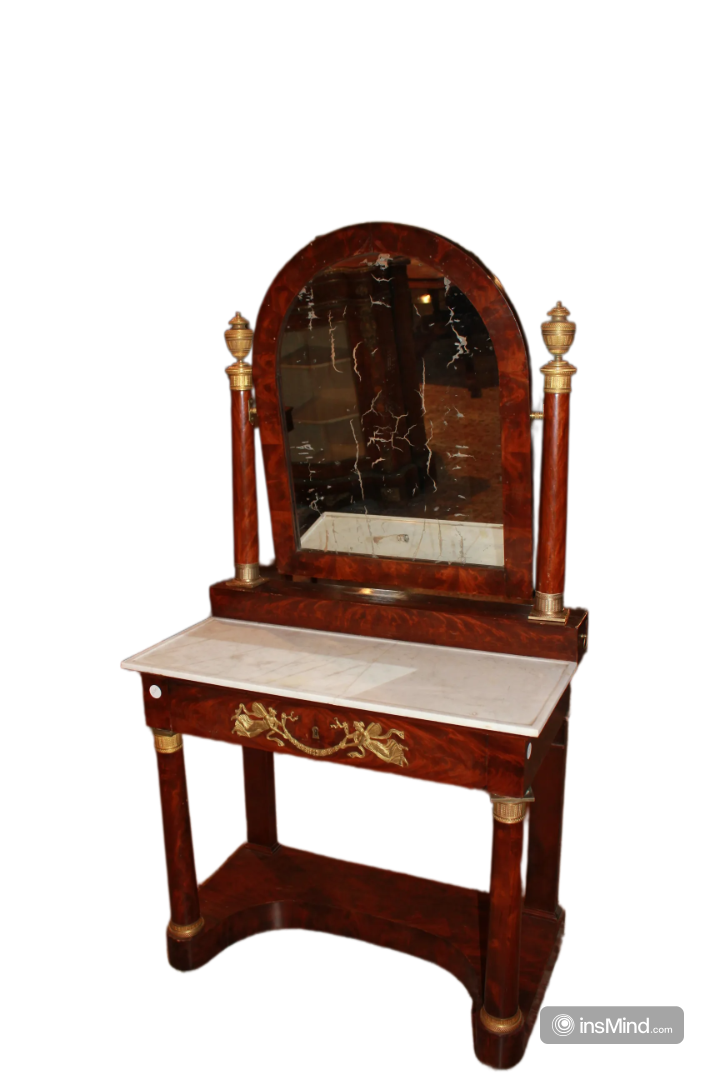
(558, 334)
(238, 337)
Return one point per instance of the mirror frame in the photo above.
(513, 581)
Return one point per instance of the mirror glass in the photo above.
(389, 388)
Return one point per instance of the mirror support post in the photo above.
(238, 339)
(558, 335)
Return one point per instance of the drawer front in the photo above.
(419, 748)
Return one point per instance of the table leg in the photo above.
(499, 1037)
(259, 772)
(185, 919)
(545, 830)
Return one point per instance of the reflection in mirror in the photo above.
(389, 386)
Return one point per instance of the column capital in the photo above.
(508, 811)
(167, 742)
(558, 377)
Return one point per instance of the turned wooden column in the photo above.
(242, 412)
(259, 774)
(185, 918)
(501, 1014)
(558, 335)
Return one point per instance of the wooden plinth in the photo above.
(260, 889)
(431, 619)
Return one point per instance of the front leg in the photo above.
(185, 918)
(499, 1036)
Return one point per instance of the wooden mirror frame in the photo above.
(513, 581)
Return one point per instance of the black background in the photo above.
(310, 997)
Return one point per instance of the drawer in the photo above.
(355, 739)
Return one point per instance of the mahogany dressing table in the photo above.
(399, 629)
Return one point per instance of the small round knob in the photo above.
(239, 336)
(558, 334)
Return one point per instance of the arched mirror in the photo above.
(393, 386)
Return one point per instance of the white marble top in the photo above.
(490, 691)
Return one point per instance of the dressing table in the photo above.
(398, 629)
